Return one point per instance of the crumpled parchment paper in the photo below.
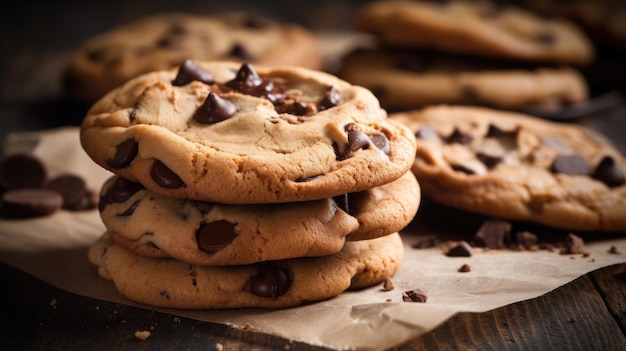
(54, 249)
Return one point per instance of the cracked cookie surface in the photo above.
(518, 167)
(235, 133)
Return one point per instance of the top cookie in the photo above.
(478, 28)
(513, 166)
(164, 41)
(232, 133)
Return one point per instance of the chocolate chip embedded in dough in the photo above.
(125, 154)
(570, 165)
(608, 172)
(190, 71)
(214, 109)
(331, 99)
(164, 176)
(240, 51)
(20, 171)
(214, 236)
(203, 206)
(120, 191)
(29, 203)
(381, 141)
(72, 187)
(270, 281)
(496, 132)
(130, 210)
(459, 137)
(493, 233)
(248, 81)
(463, 169)
(490, 161)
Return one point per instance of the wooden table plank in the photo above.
(611, 283)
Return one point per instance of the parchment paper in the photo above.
(54, 250)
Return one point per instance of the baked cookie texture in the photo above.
(235, 133)
(476, 27)
(407, 79)
(163, 41)
(212, 234)
(518, 167)
(276, 284)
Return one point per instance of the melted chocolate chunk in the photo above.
(215, 236)
(190, 71)
(415, 295)
(271, 281)
(381, 142)
(120, 191)
(497, 132)
(608, 172)
(125, 154)
(240, 52)
(20, 171)
(296, 108)
(570, 165)
(331, 99)
(29, 203)
(489, 161)
(493, 233)
(72, 187)
(358, 140)
(457, 136)
(164, 176)
(247, 81)
(214, 109)
(130, 210)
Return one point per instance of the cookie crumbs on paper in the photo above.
(142, 334)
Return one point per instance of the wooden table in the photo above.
(586, 314)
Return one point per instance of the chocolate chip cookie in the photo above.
(406, 79)
(513, 166)
(476, 27)
(236, 133)
(164, 41)
(276, 284)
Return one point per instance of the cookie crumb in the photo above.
(572, 245)
(54, 303)
(464, 268)
(415, 295)
(614, 250)
(219, 347)
(142, 334)
(388, 285)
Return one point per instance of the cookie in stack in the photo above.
(164, 41)
(248, 186)
(468, 53)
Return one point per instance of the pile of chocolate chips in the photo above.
(28, 191)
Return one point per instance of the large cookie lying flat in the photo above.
(518, 167)
(277, 284)
(232, 133)
(480, 28)
(164, 41)
(408, 79)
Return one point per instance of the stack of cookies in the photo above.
(248, 186)
(469, 53)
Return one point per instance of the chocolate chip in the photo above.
(120, 191)
(415, 295)
(573, 244)
(526, 239)
(214, 236)
(427, 133)
(463, 169)
(489, 161)
(214, 109)
(458, 249)
(493, 233)
(125, 154)
(464, 268)
(388, 285)
(270, 281)
(190, 71)
(381, 142)
(164, 176)
(20, 171)
(457, 136)
(295, 108)
(72, 187)
(331, 99)
(130, 210)
(358, 140)
(203, 206)
(240, 52)
(30, 203)
(496, 132)
(570, 165)
(608, 172)
(247, 81)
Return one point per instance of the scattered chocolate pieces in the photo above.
(493, 233)
(415, 295)
(73, 189)
(388, 285)
(572, 245)
(457, 249)
(464, 268)
(614, 250)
